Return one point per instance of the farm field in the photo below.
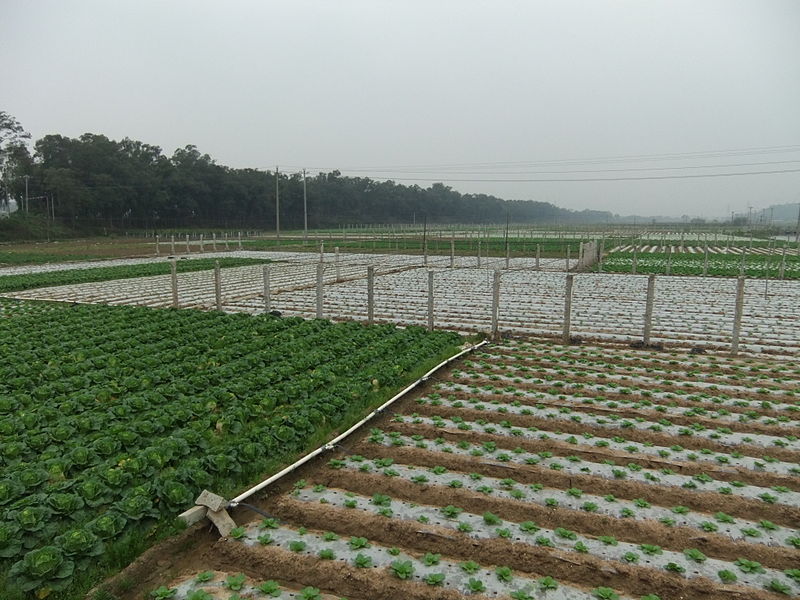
(688, 311)
(112, 419)
(530, 470)
(19, 279)
(725, 262)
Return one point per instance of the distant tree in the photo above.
(15, 159)
(103, 182)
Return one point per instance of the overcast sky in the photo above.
(435, 90)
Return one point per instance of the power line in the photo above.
(635, 178)
(750, 164)
(792, 148)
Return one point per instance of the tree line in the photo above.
(92, 181)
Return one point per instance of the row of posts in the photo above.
(202, 241)
(479, 256)
(495, 331)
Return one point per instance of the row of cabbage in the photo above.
(114, 418)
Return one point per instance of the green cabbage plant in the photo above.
(43, 568)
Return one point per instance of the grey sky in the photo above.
(370, 83)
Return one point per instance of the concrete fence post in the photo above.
(635, 259)
(202, 244)
(172, 245)
(370, 295)
(320, 268)
(226, 241)
(217, 285)
(741, 265)
(538, 255)
(322, 251)
(337, 264)
(452, 253)
(669, 261)
(187, 243)
(214, 242)
(425, 253)
(267, 299)
(240, 240)
(479, 253)
(705, 262)
(508, 254)
(648, 309)
(737, 316)
(430, 300)
(565, 335)
(600, 254)
(173, 266)
(495, 304)
(782, 268)
(158, 245)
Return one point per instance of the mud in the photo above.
(623, 410)
(655, 494)
(577, 569)
(635, 435)
(635, 531)
(598, 454)
(338, 577)
(532, 361)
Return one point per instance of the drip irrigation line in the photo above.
(195, 513)
(256, 509)
(330, 445)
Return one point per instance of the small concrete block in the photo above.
(193, 515)
(222, 520)
(211, 500)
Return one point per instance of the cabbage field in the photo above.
(112, 419)
(528, 470)
(533, 470)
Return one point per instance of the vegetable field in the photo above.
(688, 311)
(112, 419)
(721, 262)
(533, 470)
(100, 272)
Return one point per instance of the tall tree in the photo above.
(15, 159)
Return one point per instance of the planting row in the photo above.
(747, 373)
(750, 263)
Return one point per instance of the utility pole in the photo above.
(305, 210)
(506, 236)
(26, 192)
(277, 206)
(797, 229)
(425, 239)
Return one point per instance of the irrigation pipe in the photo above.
(198, 512)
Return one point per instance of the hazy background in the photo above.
(405, 89)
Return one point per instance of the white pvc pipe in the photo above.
(339, 438)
